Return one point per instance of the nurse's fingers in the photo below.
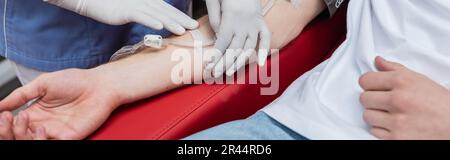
(214, 14)
(148, 21)
(212, 58)
(6, 132)
(231, 55)
(179, 16)
(241, 61)
(168, 23)
(20, 128)
(264, 45)
(224, 39)
(249, 50)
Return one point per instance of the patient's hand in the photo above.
(72, 104)
(403, 104)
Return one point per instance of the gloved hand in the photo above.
(155, 14)
(239, 26)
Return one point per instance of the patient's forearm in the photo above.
(286, 21)
(142, 75)
(149, 73)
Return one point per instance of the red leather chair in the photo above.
(185, 111)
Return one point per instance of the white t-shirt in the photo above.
(324, 103)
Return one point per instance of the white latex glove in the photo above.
(239, 26)
(155, 14)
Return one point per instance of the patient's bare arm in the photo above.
(149, 73)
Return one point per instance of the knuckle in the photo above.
(399, 100)
(395, 99)
(403, 77)
(398, 79)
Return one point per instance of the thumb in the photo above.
(214, 14)
(22, 95)
(385, 65)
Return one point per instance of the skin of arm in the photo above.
(72, 104)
